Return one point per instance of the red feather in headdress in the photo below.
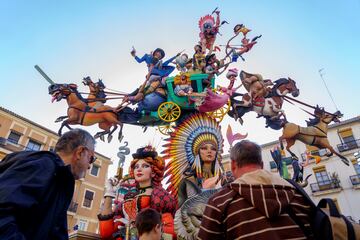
(206, 19)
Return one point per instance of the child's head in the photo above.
(148, 221)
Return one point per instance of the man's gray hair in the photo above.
(246, 152)
(72, 139)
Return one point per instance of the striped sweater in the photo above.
(255, 207)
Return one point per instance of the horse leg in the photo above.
(64, 124)
(61, 118)
(106, 127)
(289, 143)
(60, 129)
(109, 138)
(120, 136)
(343, 159)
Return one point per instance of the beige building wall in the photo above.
(78, 214)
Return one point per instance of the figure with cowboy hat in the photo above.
(154, 59)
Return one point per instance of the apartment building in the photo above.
(330, 178)
(18, 133)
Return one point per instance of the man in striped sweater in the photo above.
(256, 205)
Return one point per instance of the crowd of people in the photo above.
(256, 205)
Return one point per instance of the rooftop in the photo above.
(39, 126)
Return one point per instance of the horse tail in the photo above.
(305, 182)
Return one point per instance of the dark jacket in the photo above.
(35, 192)
(255, 206)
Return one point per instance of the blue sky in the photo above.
(74, 39)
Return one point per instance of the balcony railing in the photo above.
(321, 153)
(326, 185)
(349, 145)
(73, 207)
(355, 180)
(13, 146)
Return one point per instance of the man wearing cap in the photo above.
(154, 62)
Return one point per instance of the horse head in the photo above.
(284, 86)
(87, 81)
(60, 91)
(293, 88)
(327, 117)
(100, 84)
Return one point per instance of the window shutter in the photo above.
(345, 132)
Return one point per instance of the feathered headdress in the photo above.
(182, 149)
(207, 21)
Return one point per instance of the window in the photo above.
(14, 137)
(82, 225)
(321, 176)
(356, 166)
(52, 149)
(89, 196)
(33, 146)
(94, 170)
(347, 136)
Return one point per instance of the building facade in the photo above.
(18, 133)
(330, 178)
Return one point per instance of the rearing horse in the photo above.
(269, 106)
(314, 135)
(80, 113)
(96, 97)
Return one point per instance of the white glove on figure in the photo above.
(111, 187)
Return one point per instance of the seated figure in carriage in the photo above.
(152, 93)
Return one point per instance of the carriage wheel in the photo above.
(221, 112)
(169, 111)
(166, 129)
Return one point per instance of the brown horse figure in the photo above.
(96, 97)
(80, 113)
(315, 134)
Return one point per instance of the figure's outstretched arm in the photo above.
(170, 60)
(217, 19)
(140, 60)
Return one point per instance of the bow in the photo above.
(228, 53)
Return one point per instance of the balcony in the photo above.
(321, 153)
(349, 145)
(355, 181)
(73, 207)
(12, 146)
(326, 187)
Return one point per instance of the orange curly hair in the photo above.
(157, 166)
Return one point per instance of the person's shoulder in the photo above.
(221, 195)
(41, 159)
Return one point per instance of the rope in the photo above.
(327, 89)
